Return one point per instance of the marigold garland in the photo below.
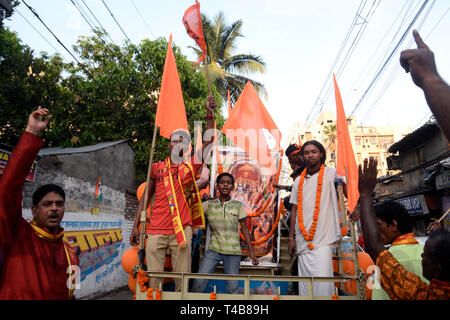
(142, 279)
(150, 294)
(213, 296)
(309, 237)
(158, 294)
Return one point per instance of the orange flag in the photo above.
(170, 113)
(192, 21)
(248, 126)
(346, 163)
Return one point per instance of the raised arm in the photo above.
(19, 164)
(421, 65)
(366, 184)
(210, 108)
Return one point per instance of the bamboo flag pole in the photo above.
(143, 215)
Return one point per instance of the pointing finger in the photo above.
(419, 41)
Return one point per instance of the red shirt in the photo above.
(160, 219)
(33, 268)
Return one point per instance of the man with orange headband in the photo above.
(37, 261)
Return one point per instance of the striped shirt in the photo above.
(224, 225)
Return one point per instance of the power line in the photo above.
(104, 30)
(84, 17)
(396, 69)
(143, 20)
(57, 39)
(390, 57)
(118, 24)
(42, 36)
(373, 55)
(343, 64)
(350, 51)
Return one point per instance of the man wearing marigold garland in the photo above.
(315, 229)
(37, 261)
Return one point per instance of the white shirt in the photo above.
(328, 229)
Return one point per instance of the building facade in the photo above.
(366, 141)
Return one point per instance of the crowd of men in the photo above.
(36, 261)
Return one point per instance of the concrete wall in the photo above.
(99, 239)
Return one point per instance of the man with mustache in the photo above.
(38, 263)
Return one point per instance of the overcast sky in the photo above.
(298, 40)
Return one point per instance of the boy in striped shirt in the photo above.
(224, 218)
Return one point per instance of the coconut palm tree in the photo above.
(228, 71)
(330, 134)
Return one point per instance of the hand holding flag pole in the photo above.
(170, 116)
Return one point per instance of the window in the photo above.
(358, 141)
(372, 140)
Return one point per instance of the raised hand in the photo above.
(211, 104)
(367, 177)
(419, 62)
(38, 120)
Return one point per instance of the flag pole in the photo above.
(143, 213)
(205, 64)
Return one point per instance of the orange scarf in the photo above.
(191, 198)
(407, 238)
(309, 237)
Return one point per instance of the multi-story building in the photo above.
(366, 141)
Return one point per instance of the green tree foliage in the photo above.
(25, 83)
(228, 70)
(112, 94)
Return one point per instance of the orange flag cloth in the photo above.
(346, 163)
(245, 127)
(170, 113)
(192, 21)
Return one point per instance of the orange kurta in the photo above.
(400, 284)
(33, 268)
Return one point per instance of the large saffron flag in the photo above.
(346, 163)
(170, 112)
(192, 21)
(251, 127)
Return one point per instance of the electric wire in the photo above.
(143, 20)
(42, 36)
(380, 71)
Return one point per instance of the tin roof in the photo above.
(415, 138)
(95, 147)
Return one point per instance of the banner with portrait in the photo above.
(254, 188)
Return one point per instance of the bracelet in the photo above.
(290, 238)
(210, 116)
